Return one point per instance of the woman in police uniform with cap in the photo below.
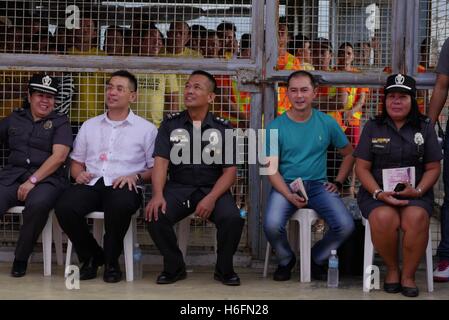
(39, 141)
(399, 138)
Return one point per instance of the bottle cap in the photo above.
(334, 252)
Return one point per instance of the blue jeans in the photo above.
(328, 205)
(443, 247)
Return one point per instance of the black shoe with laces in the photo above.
(231, 279)
(19, 268)
(167, 278)
(112, 272)
(90, 267)
(284, 273)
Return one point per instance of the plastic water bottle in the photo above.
(137, 262)
(332, 272)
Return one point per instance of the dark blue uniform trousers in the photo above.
(118, 206)
(39, 202)
(225, 216)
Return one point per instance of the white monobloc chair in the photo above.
(98, 231)
(305, 218)
(183, 234)
(369, 256)
(50, 227)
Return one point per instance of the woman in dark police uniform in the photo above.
(400, 138)
(39, 141)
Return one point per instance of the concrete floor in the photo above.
(199, 285)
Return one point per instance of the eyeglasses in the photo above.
(120, 89)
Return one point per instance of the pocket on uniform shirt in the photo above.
(15, 135)
(381, 148)
(14, 131)
(41, 143)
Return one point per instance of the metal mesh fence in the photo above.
(337, 36)
(156, 29)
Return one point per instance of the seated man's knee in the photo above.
(344, 228)
(272, 230)
(233, 219)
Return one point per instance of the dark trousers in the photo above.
(443, 247)
(118, 206)
(225, 216)
(39, 202)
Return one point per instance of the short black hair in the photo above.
(298, 42)
(126, 74)
(114, 28)
(282, 20)
(245, 41)
(302, 73)
(342, 47)
(224, 26)
(210, 77)
(322, 43)
(198, 31)
(147, 28)
(174, 23)
(414, 116)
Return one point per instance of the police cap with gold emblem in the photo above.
(400, 83)
(43, 83)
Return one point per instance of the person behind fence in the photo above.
(112, 155)
(203, 189)
(39, 141)
(304, 134)
(437, 102)
(401, 139)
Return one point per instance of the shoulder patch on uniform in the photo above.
(221, 120)
(427, 120)
(172, 115)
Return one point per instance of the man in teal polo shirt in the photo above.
(304, 135)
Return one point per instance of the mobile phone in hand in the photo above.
(299, 193)
(399, 187)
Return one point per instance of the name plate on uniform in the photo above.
(391, 177)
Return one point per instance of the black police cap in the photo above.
(400, 83)
(43, 83)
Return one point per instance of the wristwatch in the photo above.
(376, 193)
(33, 179)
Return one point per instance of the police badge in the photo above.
(419, 139)
(48, 124)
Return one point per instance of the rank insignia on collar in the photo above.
(48, 124)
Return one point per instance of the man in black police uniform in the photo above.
(39, 141)
(194, 186)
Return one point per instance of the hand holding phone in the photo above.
(400, 187)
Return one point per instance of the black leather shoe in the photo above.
(318, 272)
(167, 278)
(394, 287)
(284, 273)
(19, 268)
(231, 279)
(112, 273)
(410, 292)
(90, 267)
